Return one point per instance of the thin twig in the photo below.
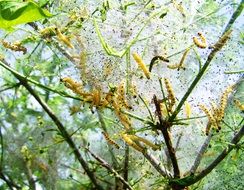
(200, 153)
(157, 165)
(110, 168)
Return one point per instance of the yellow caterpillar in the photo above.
(131, 143)
(188, 109)
(15, 46)
(171, 96)
(76, 88)
(219, 44)
(141, 64)
(122, 117)
(180, 65)
(63, 38)
(146, 142)
(239, 104)
(212, 121)
(202, 43)
(223, 102)
(121, 96)
(109, 140)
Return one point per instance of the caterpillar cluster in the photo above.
(141, 64)
(171, 96)
(216, 113)
(180, 65)
(200, 43)
(115, 98)
(16, 46)
(109, 140)
(133, 141)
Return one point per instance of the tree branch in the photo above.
(164, 127)
(60, 126)
(157, 165)
(187, 181)
(200, 153)
(110, 168)
(9, 182)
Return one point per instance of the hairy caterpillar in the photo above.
(171, 96)
(109, 140)
(188, 109)
(96, 97)
(48, 32)
(76, 87)
(123, 118)
(163, 109)
(16, 46)
(141, 64)
(63, 38)
(239, 104)
(156, 58)
(223, 102)
(180, 65)
(179, 7)
(146, 142)
(211, 119)
(202, 43)
(221, 42)
(131, 143)
(133, 90)
(121, 96)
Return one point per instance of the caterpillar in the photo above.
(63, 38)
(69, 82)
(123, 118)
(109, 140)
(179, 7)
(223, 102)
(211, 119)
(221, 42)
(121, 96)
(96, 97)
(156, 58)
(201, 44)
(239, 104)
(141, 64)
(188, 109)
(16, 46)
(133, 90)
(48, 31)
(76, 87)
(131, 143)
(146, 142)
(171, 96)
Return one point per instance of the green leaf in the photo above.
(13, 13)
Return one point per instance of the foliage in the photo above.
(13, 13)
(107, 94)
